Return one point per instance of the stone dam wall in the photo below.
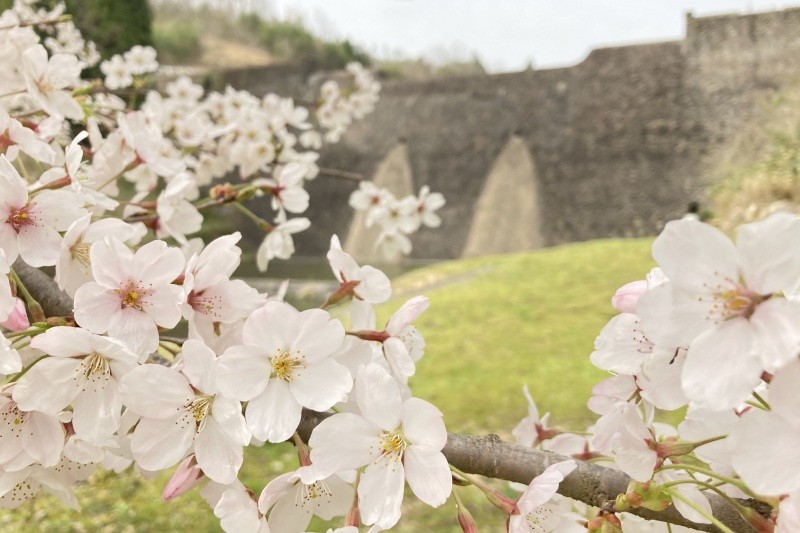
(612, 147)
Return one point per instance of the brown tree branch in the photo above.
(488, 456)
(53, 300)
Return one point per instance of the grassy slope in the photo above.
(494, 324)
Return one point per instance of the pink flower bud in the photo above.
(501, 501)
(466, 521)
(625, 298)
(18, 319)
(185, 478)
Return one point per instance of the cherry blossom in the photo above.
(396, 440)
(84, 370)
(212, 298)
(723, 302)
(537, 512)
(183, 410)
(285, 364)
(290, 500)
(132, 293)
(29, 225)
(278, 242)
(74, 267)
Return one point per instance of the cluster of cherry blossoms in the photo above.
(109, 196)
(397, 219)
(713, 333)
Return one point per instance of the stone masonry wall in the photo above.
(618, 142)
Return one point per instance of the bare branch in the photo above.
(54, 301)
(344, 174)
(486, 456)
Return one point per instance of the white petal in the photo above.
(692, 253)
(721, 369)
(322, 385)
(49, 385)
(318, 335)
(765, 453)
(159, 444)
(768, 253)
(163, 305)
(242, 374)
(95, 305)
(199, 364)
(96, 412)
(154, 391)
(380, 493)
(428, 474)
(406, 314)
(399, 359)
(267, 327)
(697, 498)
(775, 323)
(135, 329)
(375, 286)
(342, 442)
(378, 397)
(423, 424)
(274, 414)
(218, 455)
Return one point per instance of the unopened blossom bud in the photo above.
(186, 477)
(222, 193)
(604, 523)
(353, 517)
(625, 298)
(246, 194)
(501, 501)
(18, 319)
(760, 523)
(465, 520)
(672, 447)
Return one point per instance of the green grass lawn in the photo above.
(495, 323)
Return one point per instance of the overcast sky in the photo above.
(505, 34)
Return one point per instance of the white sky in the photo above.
(505, 34)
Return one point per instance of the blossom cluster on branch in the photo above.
(107, 182)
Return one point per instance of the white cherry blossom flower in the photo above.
(50, 81)
(117, 73)
(724, 302)
(396, 440)
(405, 345)
(15, 138)
(177, 217)
(427, 204)
(287, 188)
(278, 242)
(20, 486)
(365, 283)
(84, 370)
(74, 267)
(285, 364)
(141, 59)
(238, 513)
(763, 443)
(538, 513)
(132, 293)
(290, 500)
(212, 298)
(532, 429)
(29, 226)
(182, 411)
(28, 437)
